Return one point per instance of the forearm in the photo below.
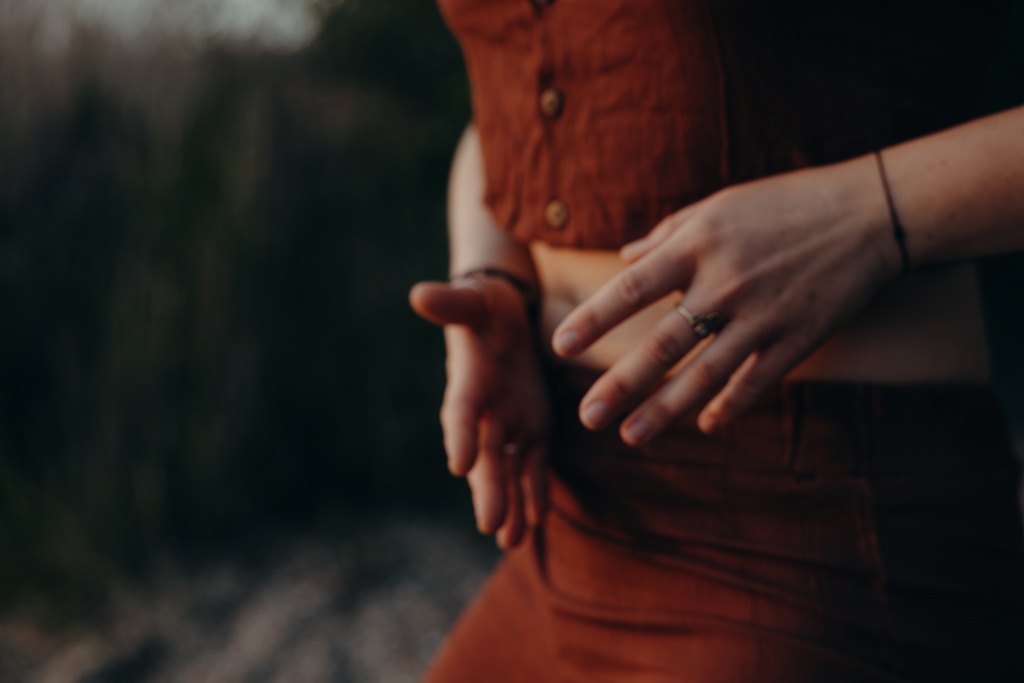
(476, 241)
(960, 193)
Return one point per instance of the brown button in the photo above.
(556, 213)
(551, 102)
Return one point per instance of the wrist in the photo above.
(898, 234)
(526, 288)
(866, 202)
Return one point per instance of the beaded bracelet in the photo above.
(898, 233)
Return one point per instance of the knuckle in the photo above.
(664, 348)
(632, 288)
(618, 390)
(589, 322)
(668, 225)
(706, 233)
(734, 279)
(728, 297)
(746, 388)
(658, 414)
(707, 377)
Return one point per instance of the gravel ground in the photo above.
(367, 609)
(370, 607)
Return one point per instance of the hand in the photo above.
(496, 415)
(784, 261)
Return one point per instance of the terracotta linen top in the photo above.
(597, 118)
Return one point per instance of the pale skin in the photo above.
(802, 267)
(495, 394)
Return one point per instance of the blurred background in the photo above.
(219, 450)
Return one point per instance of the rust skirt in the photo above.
(838, 532)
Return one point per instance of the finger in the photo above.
(511, 531)
(487, 483)
(632, 377)
(461, 414)
(445, 304)
(693, 386)
(459, 428)
(760, 371)
(642, 283)
(633, 251)
(534, 485)
(493, 438)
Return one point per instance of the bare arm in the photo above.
(960, 193)
(785, 261)
(495, 413)
(475, 240)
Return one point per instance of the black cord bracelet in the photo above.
(898, 233)
(531, 296)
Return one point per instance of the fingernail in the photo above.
(594, 415)
(566, 343)
(707, 423)
(636, 431)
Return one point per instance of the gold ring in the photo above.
(702, 324)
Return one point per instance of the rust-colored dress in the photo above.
(837, 532)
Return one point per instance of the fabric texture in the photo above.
(659, 103)
(838, 532)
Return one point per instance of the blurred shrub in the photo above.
(203, 266)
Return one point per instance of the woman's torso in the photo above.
(662, 102)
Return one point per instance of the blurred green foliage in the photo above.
(205, 326)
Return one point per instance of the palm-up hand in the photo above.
(496, 412)
(784, 261)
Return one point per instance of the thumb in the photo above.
(444, 304)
